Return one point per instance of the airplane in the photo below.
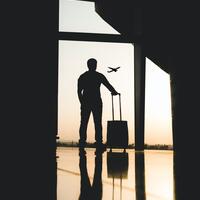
(113, 69)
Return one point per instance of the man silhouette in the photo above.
(90, 98)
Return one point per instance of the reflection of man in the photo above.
(90, 98)
(89, 191)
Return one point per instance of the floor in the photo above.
(115, 175)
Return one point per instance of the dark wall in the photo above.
(185, 117)
(29, 107)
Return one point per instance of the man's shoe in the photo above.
(100, 146)
(82, 144)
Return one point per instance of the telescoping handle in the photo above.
(120, 110)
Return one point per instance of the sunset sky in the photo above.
(80, 16)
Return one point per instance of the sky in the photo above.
(77, 16)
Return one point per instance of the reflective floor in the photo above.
(115, 175)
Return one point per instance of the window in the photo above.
(80, 16)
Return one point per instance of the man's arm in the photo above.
(109, 86)
(79, 90)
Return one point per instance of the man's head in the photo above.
(92, 64)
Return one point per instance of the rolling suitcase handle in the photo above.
(120, 110)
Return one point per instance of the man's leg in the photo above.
(85, 114)
(97, 115)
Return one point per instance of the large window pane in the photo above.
(158, 121)
(73, 58)
(80, 16)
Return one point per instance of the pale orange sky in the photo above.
(73, 62)
(73, 55)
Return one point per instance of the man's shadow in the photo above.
(90, 191)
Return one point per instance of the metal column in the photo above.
(139, 84)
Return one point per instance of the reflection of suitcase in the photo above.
(117, 165)
(117, 168)
(117, 130)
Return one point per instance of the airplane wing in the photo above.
(117, 67)
(111, 68)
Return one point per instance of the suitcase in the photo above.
(117, 130)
